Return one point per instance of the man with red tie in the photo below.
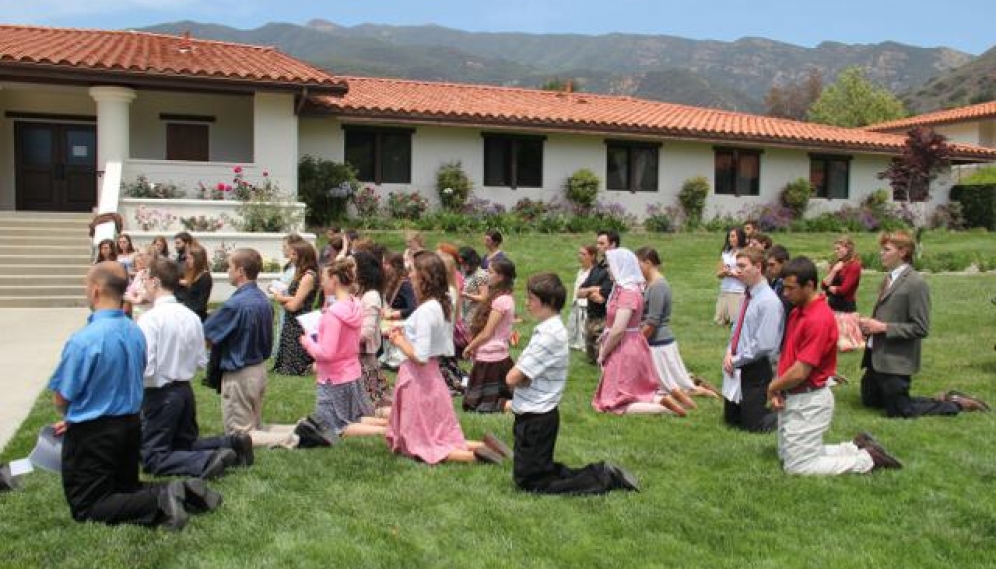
(757, 333)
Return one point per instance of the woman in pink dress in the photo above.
(423, 424)
(629, 382)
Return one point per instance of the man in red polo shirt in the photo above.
(800, 393)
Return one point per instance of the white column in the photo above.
(275, 139)
(113, 124)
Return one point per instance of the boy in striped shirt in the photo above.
(538, 380)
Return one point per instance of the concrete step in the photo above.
(71, 239)
(44, 250)
(21, 280)
(73, 215)
(66, 232)
(65, 259)
(76, 270)
(42, 301)
(46, 290)
(43, 222)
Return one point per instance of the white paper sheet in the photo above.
(21, 466)
(731, 386)
(309, 322)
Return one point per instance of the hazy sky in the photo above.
(966, 25)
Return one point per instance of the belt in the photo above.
(804, 388)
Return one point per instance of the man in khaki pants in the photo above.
(242, 331)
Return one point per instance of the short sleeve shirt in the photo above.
(428, 331)
(101, 369)
(811, 337)
(544, 362)
(496, 348)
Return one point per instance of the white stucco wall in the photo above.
(563, 154)
(275, 138)
(231, 133)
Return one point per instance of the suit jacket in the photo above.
(905, 309)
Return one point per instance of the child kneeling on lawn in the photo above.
(539, 378)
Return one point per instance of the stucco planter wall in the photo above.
(129, 208)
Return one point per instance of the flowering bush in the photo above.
(529, 210)
(770, 217)
(143, 188)
(366, 201)
(154, 219)
(453, 186)
(219, 257)
(205, 223)
(662, 219)
(581, 189)
(478, 206)
(401, 205)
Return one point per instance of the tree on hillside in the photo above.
(558, 84)
(793, 101)
(926, 155)
(853, 101)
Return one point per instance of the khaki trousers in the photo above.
(242, 393)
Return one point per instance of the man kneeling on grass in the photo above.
(800, 394)
(539, 378)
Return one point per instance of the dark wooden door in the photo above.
(55, 166)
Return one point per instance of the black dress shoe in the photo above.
(7, 481)
(242, 445)
(219, 462)
(198, 498)
(623, 478)
(174, 515)
(311, 436)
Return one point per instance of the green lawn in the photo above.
(711, 497)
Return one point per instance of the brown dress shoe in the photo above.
(864, 439)
(881, 458)
(966, 401)
(485, 454)
(497, 445)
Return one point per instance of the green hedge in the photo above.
(978, 204)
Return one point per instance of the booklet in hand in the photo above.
(309, 323)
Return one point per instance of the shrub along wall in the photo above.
(978, 204)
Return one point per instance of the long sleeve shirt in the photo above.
(761, 334)
(174, 343)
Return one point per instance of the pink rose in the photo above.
(237, 169)
(228, 188)
(265, 173)
(221, 186)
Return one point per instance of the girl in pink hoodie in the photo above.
(342, 406)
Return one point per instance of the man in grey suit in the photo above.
(901, 318)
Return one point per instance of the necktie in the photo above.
(740, 323)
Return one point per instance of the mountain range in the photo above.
(730, 75)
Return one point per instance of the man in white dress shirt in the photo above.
(175, 350)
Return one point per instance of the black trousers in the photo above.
(534, 469)
(169, 432)
(892, 393)
(100, 473)
(752, 413)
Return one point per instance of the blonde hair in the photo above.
(848, 244)
(901, 240)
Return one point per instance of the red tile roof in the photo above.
(140, 54)
(961, 114)
(482, 105)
